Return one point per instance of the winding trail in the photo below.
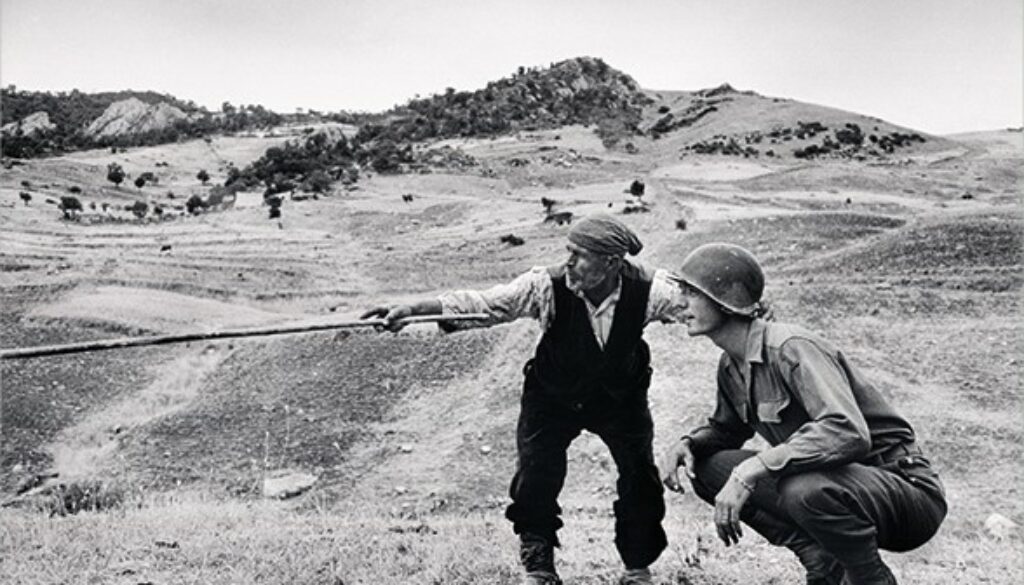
(87, 449)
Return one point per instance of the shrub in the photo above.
(139, 209)
(195, 204)
(681, 224)
(318, 182)
(25, 197)
(203, 176)
(115, 174)
(636, 188)
(140, 182)
(81, 496)
(70, 205)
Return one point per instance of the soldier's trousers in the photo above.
(546, 428)
(851, 512)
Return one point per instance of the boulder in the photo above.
(285, 484)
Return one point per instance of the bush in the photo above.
(140, 182)
(195, 204)
(636, 188)
(70, 205)
(25, 197)
(115, 174)
(203, 176)
(139, 209)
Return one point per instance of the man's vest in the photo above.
(570, 364)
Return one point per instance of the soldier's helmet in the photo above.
(728, 274)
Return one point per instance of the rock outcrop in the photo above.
(133, 116)
(37, 123)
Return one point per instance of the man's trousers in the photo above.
(546, 428)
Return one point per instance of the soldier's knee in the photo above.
(805, 493)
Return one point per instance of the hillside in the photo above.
(584, 92)
(911, 261)
(79, 120)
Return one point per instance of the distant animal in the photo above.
(165, 248)
(407, 197)
(559, 218)
(512, 240)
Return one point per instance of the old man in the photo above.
(591, 371)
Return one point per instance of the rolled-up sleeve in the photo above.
(528, 295)
(836, 433)
(664, 301)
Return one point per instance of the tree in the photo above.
(70, 205)
(25, 197)
(195, 204)
(140, 182)
(115, 174)
(274, 202)
(203, 176)
(139, 209)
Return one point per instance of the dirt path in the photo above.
(86, 449)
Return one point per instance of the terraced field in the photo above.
(411, 436)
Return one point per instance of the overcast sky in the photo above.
(941, 66)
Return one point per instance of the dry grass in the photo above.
(917, 294)
(183, 539)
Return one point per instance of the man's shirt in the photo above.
(801, 395)
(532, 295)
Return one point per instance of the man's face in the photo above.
(702, 316)
(586, 270)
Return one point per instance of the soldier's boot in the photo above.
(821, 567)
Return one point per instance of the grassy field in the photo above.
(411, 437)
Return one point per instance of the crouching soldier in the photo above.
(843, 476)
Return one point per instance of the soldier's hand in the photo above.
(728, 503)
(391, 314)
(678, 455)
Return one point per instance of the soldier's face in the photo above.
(585, 269)
(702, 316)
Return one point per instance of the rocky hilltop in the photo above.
(133, 116)
(37, 123)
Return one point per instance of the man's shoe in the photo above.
(636, 577)
(541, 578)
(538, 557)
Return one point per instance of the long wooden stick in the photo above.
(45, 350)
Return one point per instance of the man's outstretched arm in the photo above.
(528, 295)
(393, 314)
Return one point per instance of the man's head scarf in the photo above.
(604, 234)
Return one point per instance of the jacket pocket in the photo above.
(770, 411)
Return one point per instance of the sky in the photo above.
(939, 66)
